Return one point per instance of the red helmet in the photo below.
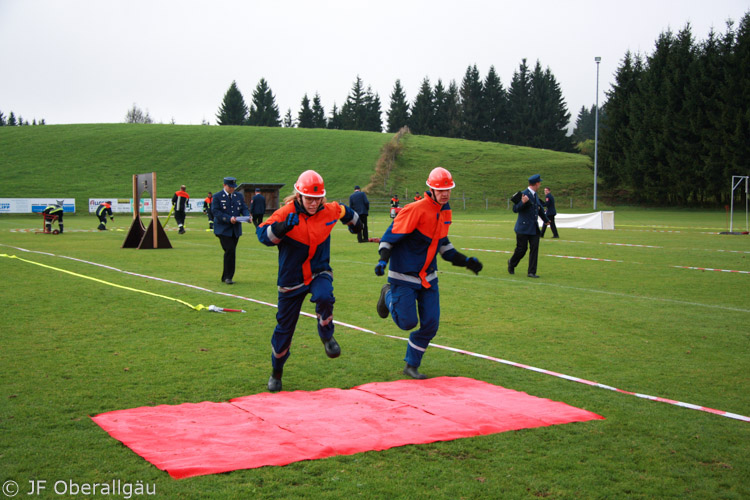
(310, 183)
(440, 179)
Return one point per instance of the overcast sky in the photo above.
(89, 61)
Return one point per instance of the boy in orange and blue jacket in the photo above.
(301, 229)
(411, 243)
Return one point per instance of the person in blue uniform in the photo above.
(527, 229)
(180, 203)
(53, 211)
(411, 243)
(359, 203)
(226, 207)
(258, 207)
(551, 211)
(301, 229)
(102, 211)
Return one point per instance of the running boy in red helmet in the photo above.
(412, 242)
(301, 229)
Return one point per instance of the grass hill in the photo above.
(83, 161)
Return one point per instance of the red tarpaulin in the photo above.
(193, 439)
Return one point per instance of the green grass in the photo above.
(94, 161)
(71, 348)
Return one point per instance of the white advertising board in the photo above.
(34, 205)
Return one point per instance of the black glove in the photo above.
(356, 228)
(380, 268)
(473, 264)
(283, 227)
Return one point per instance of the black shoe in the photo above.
(555, 237)
(229, 281)
(510, 268)
(274, 382)
(413, 372)
(333, 350)
(382, 306)
(181, 231)
(532, 275)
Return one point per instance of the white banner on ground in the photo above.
(596, 220)
(125, 205)
(34, 205)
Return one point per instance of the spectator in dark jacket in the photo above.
(258, 207)
(549, 203)
(359, 203)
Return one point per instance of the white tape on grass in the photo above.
(571, 378)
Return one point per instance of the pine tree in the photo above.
(549, 113)
(736, 149)
(2, 119)
(422, 111)
(398, 113)
(494, 108)
(305, 118)
(136, 115)
(288, 120)
(453, 109)
(335, 121)
(354, 112)
(519, 107)
(585, 124)
(263, 110)
(319, 114)
(373, 112)
(12, 119)
(441, 121)
(471, 104)
(233, 110)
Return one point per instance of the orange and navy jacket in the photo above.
(416, 235)
(207, 204)
(417, 197)
(305, 251)
(180, 200)
(103, 210)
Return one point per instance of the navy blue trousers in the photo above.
(412, 306)
(290, 305)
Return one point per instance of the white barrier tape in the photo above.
(582, 258)
(438, 346)
(629, 245)
(711, 269)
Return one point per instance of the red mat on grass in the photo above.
(277, 429)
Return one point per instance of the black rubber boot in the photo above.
(274, 382)
(413, 372)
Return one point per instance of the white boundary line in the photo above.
(571, 378)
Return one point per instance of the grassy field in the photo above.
(94, 161)
(71, 348)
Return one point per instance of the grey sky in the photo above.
(88, 61)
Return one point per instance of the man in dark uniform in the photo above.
(359, 203)
(207, 210)
(51, 211)
(102, 211)
(258, 207)
(227, 206)
(180, 202)
(549, 203)
(527, 229)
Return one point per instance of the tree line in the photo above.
(12, 121)
(676, 125)
(531, 112)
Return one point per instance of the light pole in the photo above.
(596, 128)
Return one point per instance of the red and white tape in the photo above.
(711, 269)
(571, 378)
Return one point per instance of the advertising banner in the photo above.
(125, 205)
(34, 205)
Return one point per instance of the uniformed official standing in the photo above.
(226, 207)
(359, 203)
(551, 211)
(412, 243)
(258, 207)
(527, 229)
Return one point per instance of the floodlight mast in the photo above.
(596, 128)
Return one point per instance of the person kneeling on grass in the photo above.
(302, 231)
(411, 242)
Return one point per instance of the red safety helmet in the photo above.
(440, 179)
(310, 183)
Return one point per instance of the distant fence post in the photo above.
(571, 202)
(464, 197)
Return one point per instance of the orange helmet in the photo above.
(310, 183)
(440, 179)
